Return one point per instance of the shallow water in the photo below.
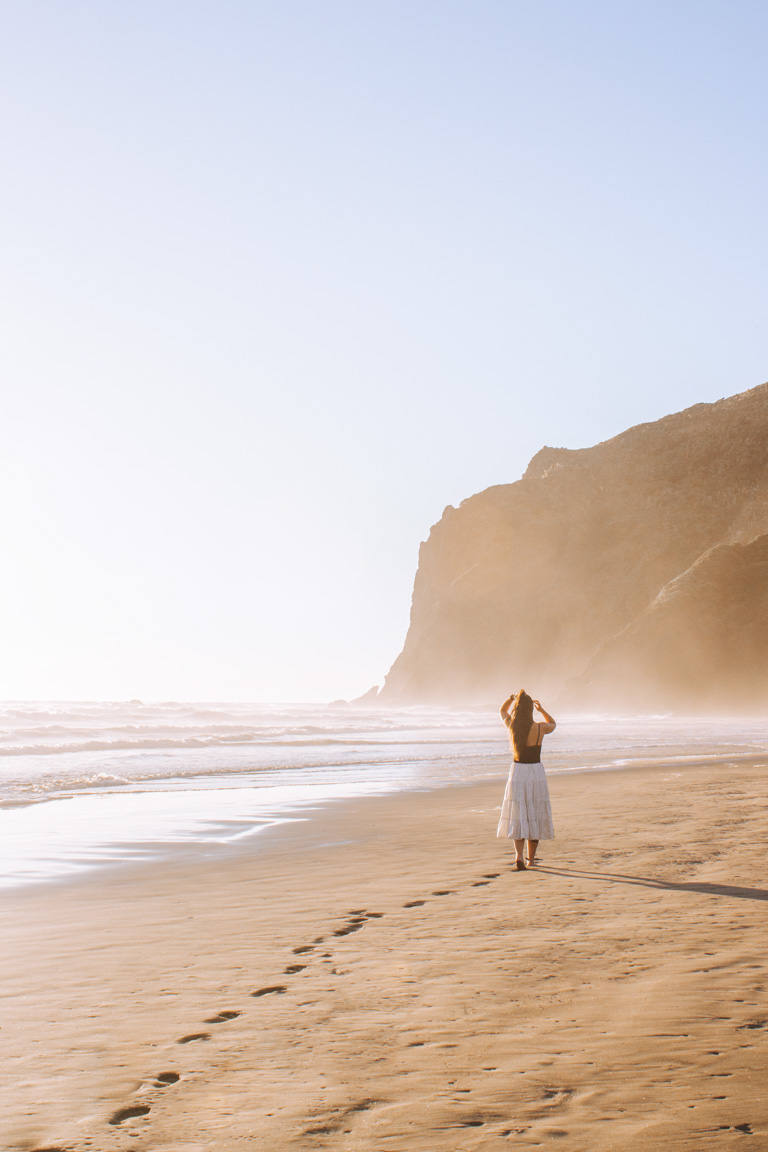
(88, 784)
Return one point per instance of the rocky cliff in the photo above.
(701, 644)
(614, 576)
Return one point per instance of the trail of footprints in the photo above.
(358, 918)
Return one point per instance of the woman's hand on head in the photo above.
(550, 720)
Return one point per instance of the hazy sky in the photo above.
(282, 278)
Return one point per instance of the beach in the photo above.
(378, 977)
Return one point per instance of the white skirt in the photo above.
(526, 813)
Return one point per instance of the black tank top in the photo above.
(531, 754)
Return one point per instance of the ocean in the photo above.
(87, 785)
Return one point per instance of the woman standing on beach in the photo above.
(526, 813)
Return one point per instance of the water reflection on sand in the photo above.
(86, 785)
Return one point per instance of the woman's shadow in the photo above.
(708, 889)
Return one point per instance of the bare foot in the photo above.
(520, 865)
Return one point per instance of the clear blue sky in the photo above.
(282, 279)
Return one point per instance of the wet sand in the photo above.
(381, 979)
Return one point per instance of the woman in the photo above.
(526, 813)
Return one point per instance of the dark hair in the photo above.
(521, 718)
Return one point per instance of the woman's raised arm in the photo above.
(551, 724)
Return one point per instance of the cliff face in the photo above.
(557, 579)
(702, 643)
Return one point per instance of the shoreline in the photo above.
(379, 977)
(234, 831)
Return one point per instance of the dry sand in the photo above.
(380, 979)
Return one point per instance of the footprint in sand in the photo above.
(276, 989)
(193, 1036)
(292, 969)
(443, 892)
(481, 883)
(303, 948)
(163, 1079)
(363, 1105)
(557, 1096)
(414, 904)
(129, 1113)
(221, 1017)
(353, 926)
